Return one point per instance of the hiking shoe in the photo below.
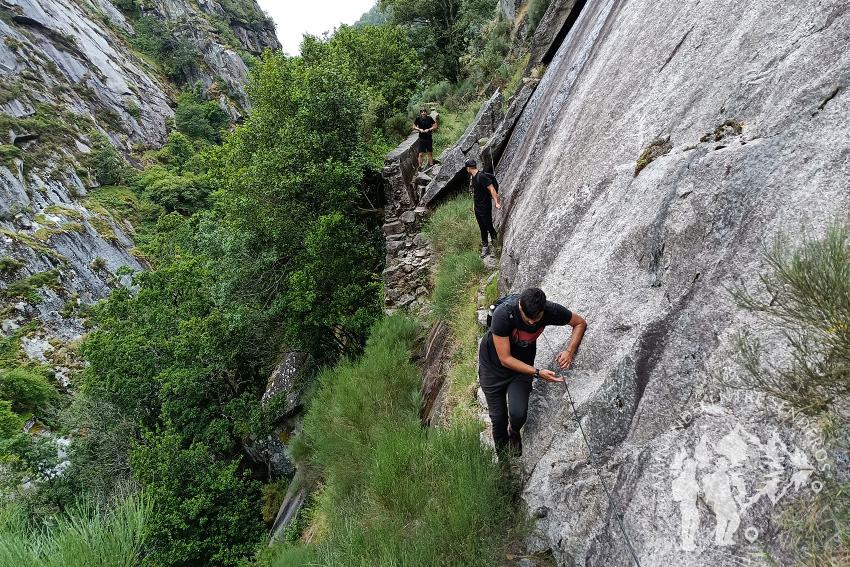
(485, 250)
(515, 440)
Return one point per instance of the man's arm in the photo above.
(503, 349)
(565, 358)
(495, 196)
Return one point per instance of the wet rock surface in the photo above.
(698, 472)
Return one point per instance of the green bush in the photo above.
(199, 119)
(204, 513)
(28, 391)
(804, 299)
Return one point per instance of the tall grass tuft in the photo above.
(805, 300)
(394, 493)
(87, 535)
(455, 238)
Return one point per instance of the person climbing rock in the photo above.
(424, 124)
(506, 359)
(483, 187)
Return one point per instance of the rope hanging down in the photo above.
(597, 468)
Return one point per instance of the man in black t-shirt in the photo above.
(424, 124)
(483, 187)
(506, 359)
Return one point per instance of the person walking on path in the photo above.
(506, 359)
(424, 124)
(483, 187)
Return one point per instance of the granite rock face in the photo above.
(699, 473)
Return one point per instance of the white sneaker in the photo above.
(484, 251)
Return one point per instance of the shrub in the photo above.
(27, 391)
(805, 302)
(199, 119)
(204, 513)
(804, 299)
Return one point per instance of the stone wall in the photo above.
(406, 281)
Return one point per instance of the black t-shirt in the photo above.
(507, 322)
(424, 122)
(480, 194)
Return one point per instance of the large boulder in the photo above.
(452, 160)
(698, 472)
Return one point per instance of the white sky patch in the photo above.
(294, 18)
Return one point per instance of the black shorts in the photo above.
(426, 145)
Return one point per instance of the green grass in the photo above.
(455, 238)
(87, 535)
(452, 227)
(26, 288)
(395, 493)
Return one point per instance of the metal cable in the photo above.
(596, 467)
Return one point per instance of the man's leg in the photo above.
(481, 219)
(497, 407)
(420, 159)
(490, 228)
(430, 158)
(518, 391)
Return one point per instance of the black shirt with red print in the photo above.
(507, 322)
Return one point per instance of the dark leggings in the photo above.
(517, 391)
(485, 224)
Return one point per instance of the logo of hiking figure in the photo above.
(716, 473)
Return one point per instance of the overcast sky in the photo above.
(294, 18)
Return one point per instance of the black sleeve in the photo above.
(501, 326)
(556, 314)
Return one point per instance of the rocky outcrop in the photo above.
(68, 65)
(492, 150)
(699, 473)
(437, 358)
(552, 29)
(452, 171)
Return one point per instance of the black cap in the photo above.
(471, 163)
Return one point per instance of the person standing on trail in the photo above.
(483, 187)
(506, 359)
(424, 124)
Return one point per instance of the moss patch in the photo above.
(655, 150)
(727, 128)
(64, 211)
(103, 228)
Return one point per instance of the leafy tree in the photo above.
(204, 513)
(176, 151)
(374, 17)
(288, 179)
(380, 57)
(441, 29)
(183, 192)
(199, 119)
(10, 422)
(107, 163)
